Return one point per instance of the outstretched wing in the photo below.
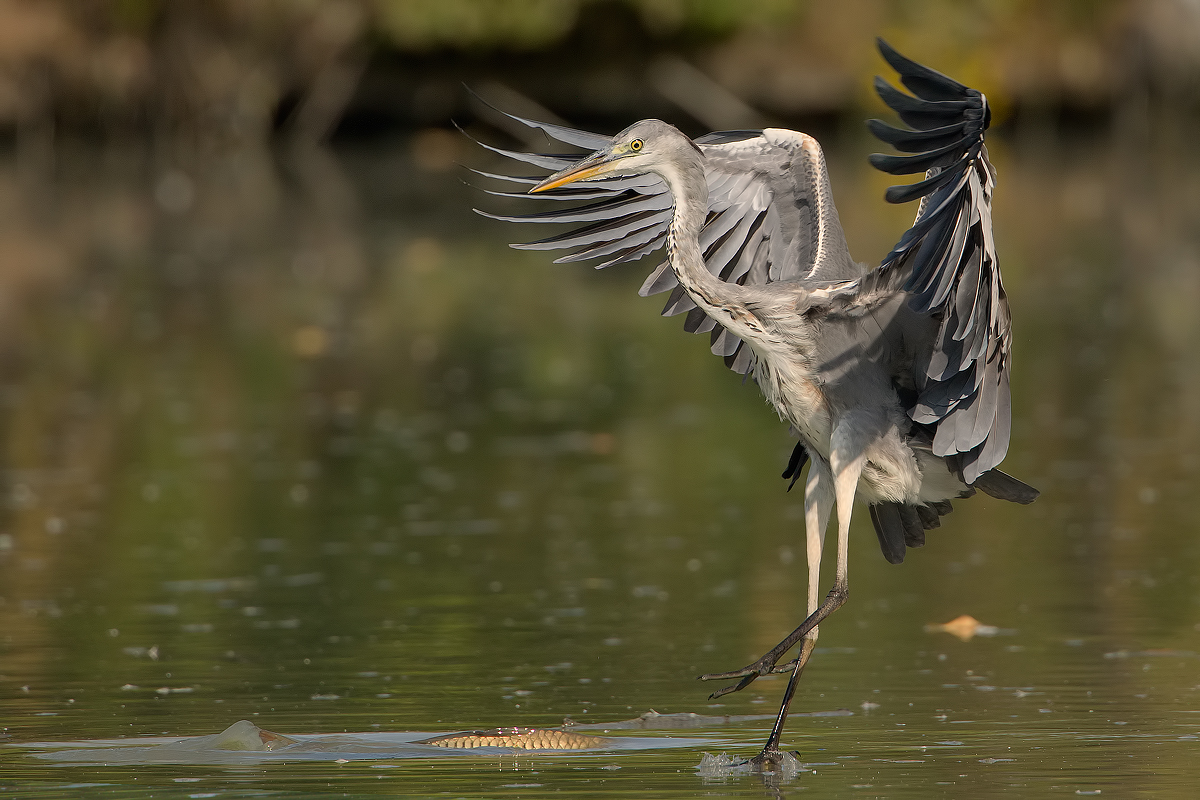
(947, 264)
(771, 217)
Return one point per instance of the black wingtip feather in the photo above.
(911, 191)
(929, 517)
(1003, 486)
(889, 528)
(909, 165)
(914, 527)
(795, 464)
(925, 82)
(916, 141)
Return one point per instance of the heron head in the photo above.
(647, 146)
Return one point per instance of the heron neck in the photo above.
(689, 190)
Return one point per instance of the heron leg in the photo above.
(846, 461)
(766, 664)
(818, 503)
(846, 471)
(770, 755)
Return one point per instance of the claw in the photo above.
(737, 687)
(728, 676)
(764, 666)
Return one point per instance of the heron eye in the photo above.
(636, 145)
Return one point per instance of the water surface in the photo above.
(294, 438)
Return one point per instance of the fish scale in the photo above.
(518, 738)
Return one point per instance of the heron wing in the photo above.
(946, 265)
(771, 218)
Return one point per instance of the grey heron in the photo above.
(895, 380)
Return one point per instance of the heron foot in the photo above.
(771, 760)
(764, 666)
(767, 664)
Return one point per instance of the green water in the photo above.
(303, 439)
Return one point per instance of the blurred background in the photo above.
(284, 427)
(249, 72)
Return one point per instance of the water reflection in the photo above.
(291, 436)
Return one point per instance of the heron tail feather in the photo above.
(1003, 486)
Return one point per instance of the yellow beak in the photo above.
(593, 165)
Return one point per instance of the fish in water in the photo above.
(518, 738)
